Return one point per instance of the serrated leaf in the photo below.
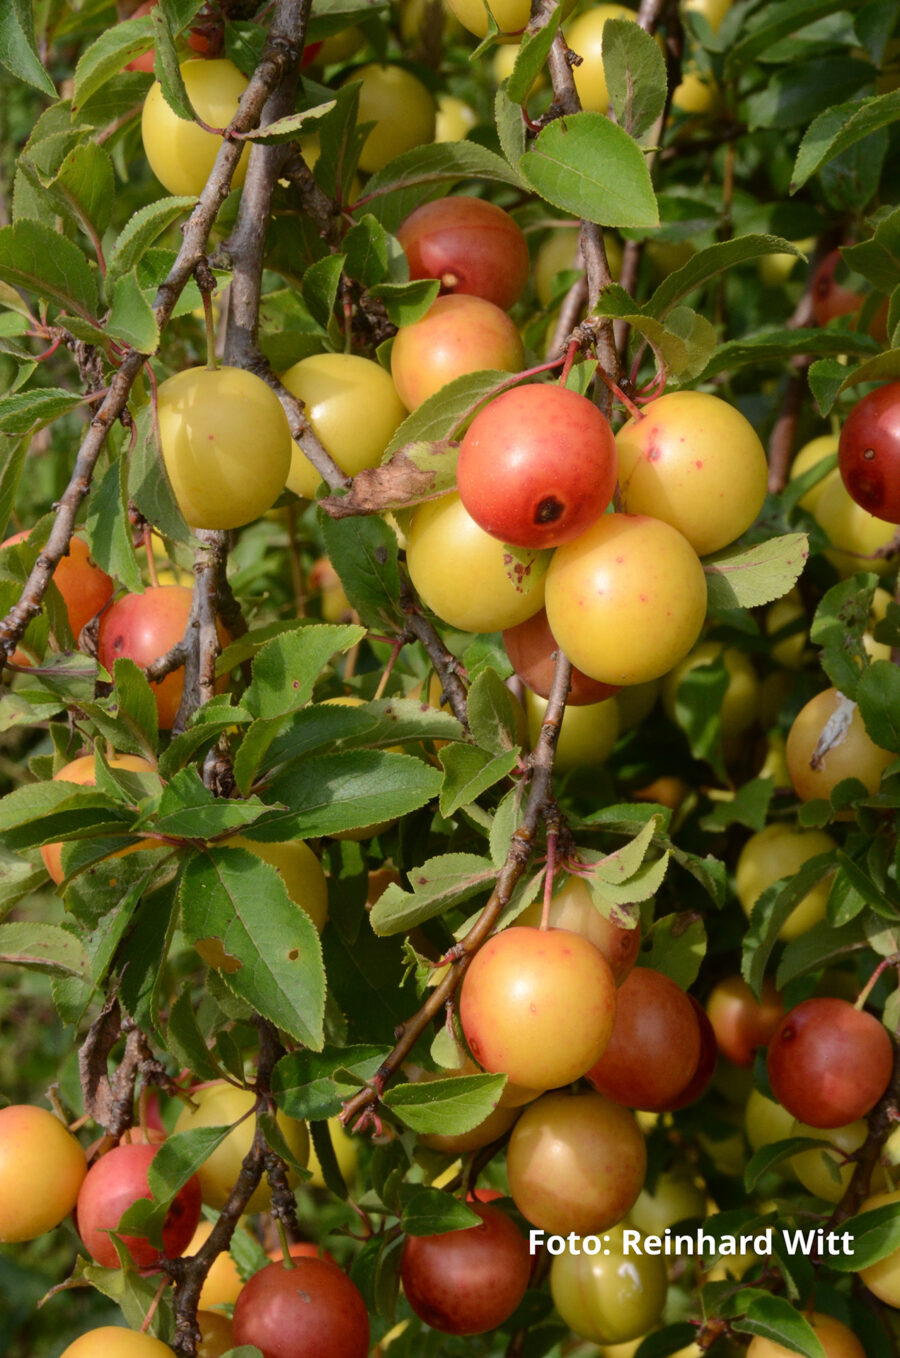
(840, 620)
(85, 187)
(291, 126)
(185, 1041)
(878, 695)
(23, 410)
(370, 252)
(882, 366)
(331, 793)
(510, 126)
(18, 49)
(745, 577)
(315, 1084)
(819, 947)
(148, 484)
(233, 897)
(770, 912)
(131, 318)
(840, 127)
(116, 46)
(392, 193)
(676, 946)
(285, 670)
(47, 265)
(491, 714)
(873, 1236)
(446, 1107)
(428, 1211)
(776, 1319)
(749, 806)
(167, 66)
(442, 414)
(618, 866)
(533, 51)
(320, 287)
(589, 167)
(774, 344)
(768, 1156)
(635, 75)
(447, 880)
(641, 886)
(468, 772)
(139, 233)
(109, 533)
(878, 259)
(43, 947)
(364, 553)
(707, 264)
(406, 303)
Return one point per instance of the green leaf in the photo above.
(698, 708)
(23, 410)
(18, 49)
(320, 287)
(139, 233)
(12, 464)
(468, 772)
(117, 45)
(363, 551)
(677, 947)
(839, 127)
(530, 58)
(826, 379)
(40, 261)
(442, 414)
(771, 911)
(772, 345)
(185, 1041)
(393, 192)
(406, 303)
(446, 1107)
(492, 717)
(285, 670)
(776, 1319)
(796, 93)
(349, 791)
(749, 806)
(42, 947)
(292, 126)
(315, 1084)
(109, 532)
(840, 620)
(148, 484)
(447, 880)
(588, 166)
(820, 947)
(85, 187)
(768, 25)
(180, 1156)
(873, 1236)
(167, 66)
(135, 705)
(878, 259)
(370, 252)
(510, 126)
(635, 75)
(767, 1157)
(881, 366)
(707, 264)
(428, 1211)
(270, 950)
(131, 319)
(745, 577)
(878, 695)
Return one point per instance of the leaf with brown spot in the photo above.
(415, 473)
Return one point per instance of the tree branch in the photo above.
(268, 73)
(520, 849)
(444, 663)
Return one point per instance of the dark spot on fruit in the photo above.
(548, 511)
(869, 454)
(654, 453)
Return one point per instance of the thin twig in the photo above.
(520, 849)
